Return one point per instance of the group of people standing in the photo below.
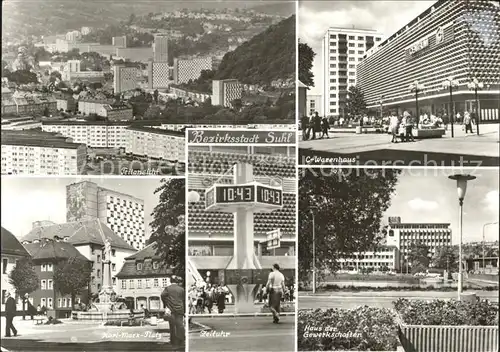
(402, 127)
(314, 124)
(204, 297)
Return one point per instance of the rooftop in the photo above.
(157, 131)
(11, 245)
(129, 268)
(82, 232)
(53, 249)
(34, 138)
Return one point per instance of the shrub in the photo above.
(447, 312)
(360, 329)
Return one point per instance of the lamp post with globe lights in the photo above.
(449, 83)
(475, 85)
(462, 180)
(416, 87)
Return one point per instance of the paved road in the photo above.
(71, 336)
(376, 149)
(245, 334)
(376, 299)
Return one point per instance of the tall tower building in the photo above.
(160, 49)
(124, 78)
(225, 91)
(123, 213)
(342, 50)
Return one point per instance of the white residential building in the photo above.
(342, 50)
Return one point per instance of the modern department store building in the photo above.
(459, 39)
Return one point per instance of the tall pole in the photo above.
(460, 269)
(451, 111)
(416, 103)
(484, 243)
(314, 254)
(478, 117)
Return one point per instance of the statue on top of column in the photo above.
(107, 249)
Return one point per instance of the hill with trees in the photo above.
(266, 57)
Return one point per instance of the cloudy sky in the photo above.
(25, 200)
(429, 196)
(387, 17)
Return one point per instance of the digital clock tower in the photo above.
(244, 198)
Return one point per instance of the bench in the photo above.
(429, 133)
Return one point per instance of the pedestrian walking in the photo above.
(467, 122)
(325, 126)
(394, 126)
(276, 288)
(10, 313)
(317, 124)
(408, 127)
(310, 130)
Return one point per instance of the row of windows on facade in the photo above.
(342, 66)
(352, 45)
(125, 215)
(61, 302)
(352, 37)
(343, 58)
(147, 283)
(119, 218)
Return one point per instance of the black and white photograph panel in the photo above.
(93, 264)
(398, 259)
(399, 83)
(107, 87)
(241, 264)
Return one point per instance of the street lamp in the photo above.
(416, 87)
(484, 243)
(475, 85)
(461, 189)
(381, 101)
(449, 83)
(313, 210)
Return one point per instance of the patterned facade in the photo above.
(124, 214)
(158, 75)
(156, 143)
(452, 38)
(190, 69)
(124, 79)
(342, 50)
(225, 91)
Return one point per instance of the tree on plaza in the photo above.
(446, 258)
(24, 279)
(418, 257)
(306, 57)
(168, 225)
(22, 77)
(356, 104)
(350, 205)
(72, 276)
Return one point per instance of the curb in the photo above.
(238, 315)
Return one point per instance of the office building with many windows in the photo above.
(404, 235)
(342, 50)
(190, 69)
(160, 48)
(123, 213)
(124, 78)
(451, 40)
(225, 91)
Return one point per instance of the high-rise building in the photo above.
(225, 91)
(342, 50)
(120, 41)
(160, 48)
(190, 69)
(457, 39)
(404, 235)
(125, 78)
(123, 213)
(158, 75)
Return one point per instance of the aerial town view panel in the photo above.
(89, 89)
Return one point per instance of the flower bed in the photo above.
(441, 312)
(360, 329)
(443, 326)
(288, 307)
(352, 288)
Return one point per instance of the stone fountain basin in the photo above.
(105, 315)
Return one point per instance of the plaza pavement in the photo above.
(86, 336)
(384, 299)
(244, 334)
(376, 149)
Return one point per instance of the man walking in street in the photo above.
(10, 313)
(276, 288)
(173, 298)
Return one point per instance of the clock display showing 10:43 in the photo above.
(246, 193)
